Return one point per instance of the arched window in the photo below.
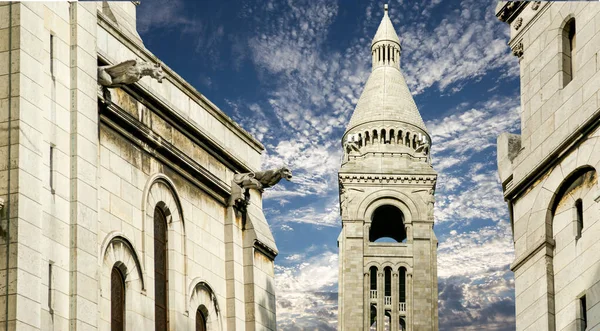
(117, 300)
(161, 319)
(200, 320)
(402, 324)
(579, 217)
(387, 224)
(569, 44)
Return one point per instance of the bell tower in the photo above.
(387, 247)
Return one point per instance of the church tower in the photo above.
(387, 247)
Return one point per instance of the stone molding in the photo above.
(571, 142)
(381, 178)
(194, 133)
(144, 138)
(544, 243)
(202, 294)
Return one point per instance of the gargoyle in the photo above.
(126, 73)
(262, 179)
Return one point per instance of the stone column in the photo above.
(409, 301)
(395, 320)
(409, 233)
(380, 296)
(367, 300)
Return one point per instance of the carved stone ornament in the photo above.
(536, 5)
(126, 73)
(518, 23)
(1, 204)
(242, 183)
(518, 50)
(262, 179)
(510, 8)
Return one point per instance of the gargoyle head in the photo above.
(285, 173)
(157, 73)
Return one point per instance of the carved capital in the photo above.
(536, 5)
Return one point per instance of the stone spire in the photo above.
(386, 104)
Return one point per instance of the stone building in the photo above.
(387, 247)
(549, 170)
(124, 206)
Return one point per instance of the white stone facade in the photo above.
(87, 179)
(549, 171)
(387, 190)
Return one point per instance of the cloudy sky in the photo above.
(291, 71)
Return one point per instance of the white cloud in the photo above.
(307, 293)
(475, 252)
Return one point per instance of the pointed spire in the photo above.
(386, 31)
(386, 98)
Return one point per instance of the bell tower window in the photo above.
(387, 225)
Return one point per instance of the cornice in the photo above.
(382, 178)
(144, 138)
(572, 141)
(179, 82)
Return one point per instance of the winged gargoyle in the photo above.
(126, 73)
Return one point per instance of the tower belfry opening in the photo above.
(387, 187)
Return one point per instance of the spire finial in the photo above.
(385, 8)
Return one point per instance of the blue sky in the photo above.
(290, 72)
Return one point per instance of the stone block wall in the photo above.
(556, 267)
(85, 179)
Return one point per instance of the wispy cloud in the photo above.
(475, 286)
(307, 292)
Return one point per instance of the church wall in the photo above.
(559, 135)
(83, 188)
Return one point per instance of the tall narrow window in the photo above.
(388, 285)
(51, 174)
(52, 55)
(117, 300)
(569, 47)
(160, 271)
(50, 285)
(579, 217)
(582, 313)
(402, 285)
(373, 272)
(200, 321)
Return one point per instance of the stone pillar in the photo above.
(409, 301)
(380, 296)
(84, 167)
(367, 301)
(395, 320)
(233, 266)
(409, 233)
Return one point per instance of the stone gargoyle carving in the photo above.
(260, 180)
(125, 73)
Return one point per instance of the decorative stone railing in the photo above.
(403, 307)
(387, 301)
(373, 294)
